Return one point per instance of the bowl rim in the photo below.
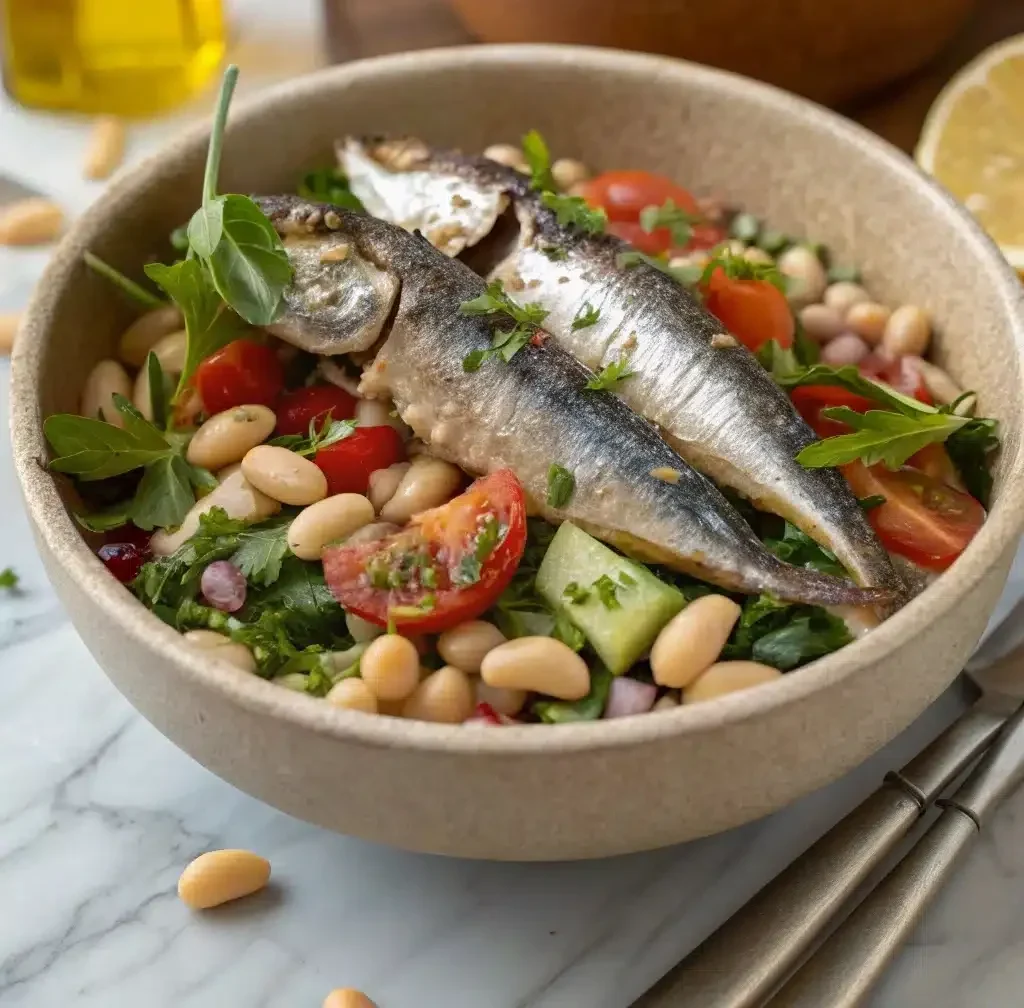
(62, 537)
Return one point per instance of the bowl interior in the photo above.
(803, 169)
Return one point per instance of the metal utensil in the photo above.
(747, 957)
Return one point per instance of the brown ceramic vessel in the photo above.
(573, 791)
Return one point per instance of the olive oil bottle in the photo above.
(123, 57)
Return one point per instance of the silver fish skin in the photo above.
(710, 398)
(631, 488)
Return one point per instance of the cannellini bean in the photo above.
(806, 275)
(9, 323)
(692, 640)
(32, 221)
(508, 155)
(346, 997)
(284, 475)
(371, 533)
(465, 645)
(821, 322)
(698, 259)
(362, 631)
(667, 702)
(353, 694)
(226, 437)
(141, 398)
(505, 701)
(907, 331)
(568, 172)
(845, 349)
(868, 320)
(380, 413)
(170, 350)
(384, 483)
(219, 876)
(445, 697)
(428, 483)
(728, 677)
(941, 386)
(843, 295)
(146, 331)
(539, 664)
(239, 498)
(390, 666)
(105, 380)
(222, 648)
(106, 148)
(329, 520)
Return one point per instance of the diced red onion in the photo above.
(223, 586)
(629, 696)
(485, 714)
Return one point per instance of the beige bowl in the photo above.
(572, 791)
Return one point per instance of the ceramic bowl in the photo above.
(572, 791)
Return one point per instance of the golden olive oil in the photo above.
(125, 57)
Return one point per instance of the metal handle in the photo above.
(746, 958)
(856, 955)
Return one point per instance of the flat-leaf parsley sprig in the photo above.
(505, 343)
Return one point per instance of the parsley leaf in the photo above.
(538, 157)
(575, 211)
(554, 252)
(738, 267)
(970, 448)
(329, 432)
(586, 316)
(561, 484)
(606, 591)
(328, 185)
(870, 503)
(801, 640)
(505, 343)
(678, 221)
(800, 550)
(590, 708)
(850, 378)
(879, 436)
(164, 496)
(685, 275)
(261, 548)
(609, 377)
(8, 578)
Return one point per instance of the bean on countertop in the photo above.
(220, 876)
(32, 221)
(346, 997)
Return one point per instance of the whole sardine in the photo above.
(525, 414)
(710, 398)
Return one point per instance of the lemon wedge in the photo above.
(973, 143)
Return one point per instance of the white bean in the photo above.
(329, 520)
(806, 275)
(843, 295)
(9, 322)
(390, 666)
(941, 386)
(465, 645)
(284, 475)
(362, 631)
(170, 350)
(106, 148)
(141, 398)
(821, 322)
(353, 694)
(105, 380)
(371, 533)
(692, 640)
(539, 664)
(907, 331)
(239, 498)
(380, 413)
(667, 702)
(226, 437)
(32, 221)
(758, 256)
(445, 697)
(346, 997)
(504, 701)
(384, 483)
(568, 172)
(868, 320)
(508, 155)
(845, 349)
(222, 648)
(146, 331)
(428, 483)
(219, 876)
(728, 677)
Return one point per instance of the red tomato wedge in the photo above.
(239, 374)
(705, 236)
(299, 407)
(623, 194)
(922, 519)
(448, 565)
(347, 464)
(754, 311)
(657, 241)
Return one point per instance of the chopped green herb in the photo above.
(737, 267)
(800, 550)
(872, 502)
(328, 185)
(561, 484)
(606, 591)
(590, 708)
(746, 227)
(538, 157)
(576, 212)
(586, 316)
(839, 274)
(576, 593)
(329, 432)
(610, 376)
(494, 301)
(8, 578)
(554, 252)
(971, 448)
(118, 279)
(627, 579)
(261, 548)
(678, 221)
(688, 276)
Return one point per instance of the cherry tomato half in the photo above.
(298, 408)
(754, 311)
(657, 241)
(347, 464)
(922, 519)
(623, 194)
(240, 374)
(705, 236)
(448, 566)
(810, 400)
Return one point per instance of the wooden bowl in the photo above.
(827, 51)
(538, 791)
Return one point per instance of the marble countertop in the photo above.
(99, 813)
